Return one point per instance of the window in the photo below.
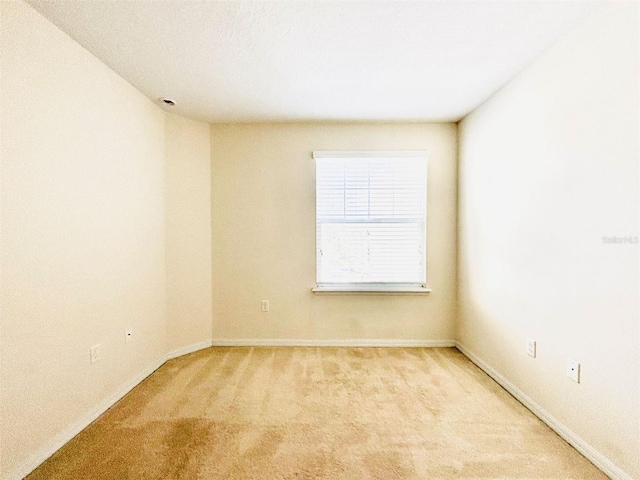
(371, 221)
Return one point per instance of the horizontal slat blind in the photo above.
(370, 218)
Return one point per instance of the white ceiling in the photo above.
(236, 61)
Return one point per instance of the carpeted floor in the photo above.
(327, 413)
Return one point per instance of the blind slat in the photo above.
(370, 219)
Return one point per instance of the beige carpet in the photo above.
(330, 413)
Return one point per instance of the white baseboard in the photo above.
(194, 347)
(83, 422)
(594, 456)
(63, 437)
(598, 459)
(292, 342)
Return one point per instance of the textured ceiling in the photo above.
(316, 60)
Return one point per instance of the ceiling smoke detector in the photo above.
(167, 101)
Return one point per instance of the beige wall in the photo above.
(549, 166)
(188, 223)
(83, 235)
(263, 228)
(115, 214)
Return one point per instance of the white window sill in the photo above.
(370, 290)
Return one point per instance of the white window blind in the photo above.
(371, 218)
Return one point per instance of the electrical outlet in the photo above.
(573, 370)
(127, 334)
(531, 347)
(94, 353)
(265, 305)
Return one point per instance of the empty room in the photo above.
(319, 239)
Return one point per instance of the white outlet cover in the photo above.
(573, 370)
(531, 347)
(94, 353)
(265, 305)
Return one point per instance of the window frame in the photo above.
(374, 288)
